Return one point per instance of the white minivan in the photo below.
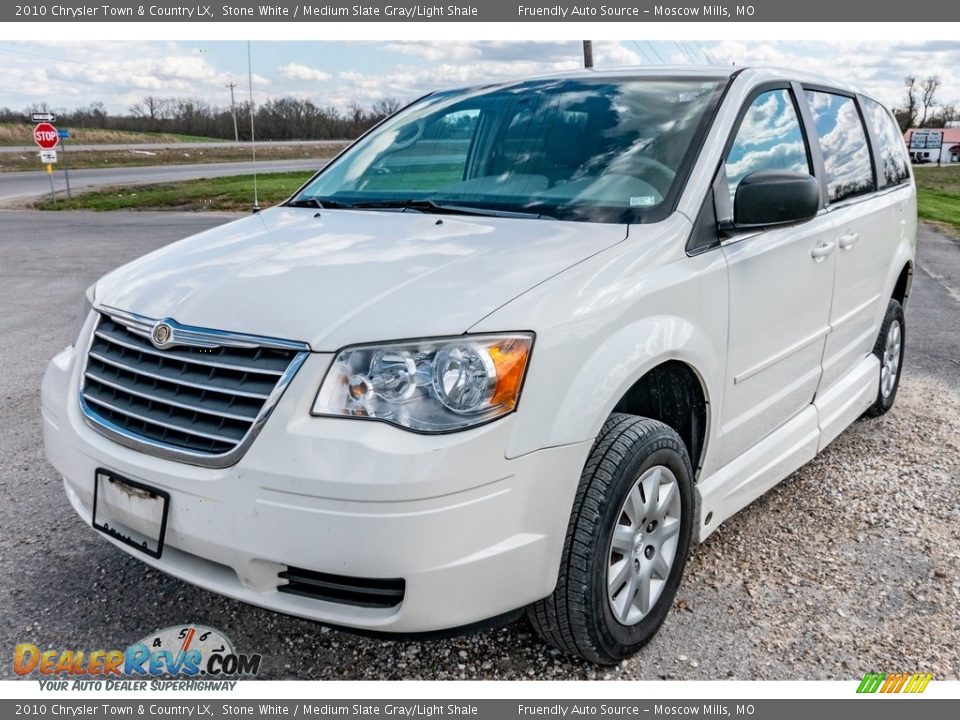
(515, 349)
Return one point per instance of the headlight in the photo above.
(83, 311)
(428, 386)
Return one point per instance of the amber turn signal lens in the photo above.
(510, 359)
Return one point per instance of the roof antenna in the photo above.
(253, 139)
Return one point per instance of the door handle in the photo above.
(848, 240)
(822, 250)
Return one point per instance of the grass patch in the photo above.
(938, 195)
(176, 154)
(13, 134)
(944, 209)
(225, 193)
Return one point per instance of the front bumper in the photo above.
(473, 535)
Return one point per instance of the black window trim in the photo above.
(813, 142)
(868, 136)
(814, 155)
(814, 160)
(875, 144)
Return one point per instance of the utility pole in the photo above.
(233, 111)
(588, 53)
(253, 137)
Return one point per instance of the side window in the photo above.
(894, 161)
(769, 138)
(843, 141)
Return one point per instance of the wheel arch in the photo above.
(903, 284)
(674, 393)
(656, 358)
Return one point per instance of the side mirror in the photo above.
(774, 197)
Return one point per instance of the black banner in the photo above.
(215, 708)
(476, 11)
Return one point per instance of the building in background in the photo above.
(933, 145)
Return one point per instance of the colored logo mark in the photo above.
(894, 682)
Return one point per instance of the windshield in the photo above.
(597, 149)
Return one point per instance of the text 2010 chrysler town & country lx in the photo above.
(517, 347)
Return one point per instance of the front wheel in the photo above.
(889, 348)
(626, 543)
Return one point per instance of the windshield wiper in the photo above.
(319, 203)
(423, 205)
(439, 208)
(432, 206)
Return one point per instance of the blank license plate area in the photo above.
(134, 513)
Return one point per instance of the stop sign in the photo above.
(45, 135)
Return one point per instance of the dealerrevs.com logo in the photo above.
(180, 657)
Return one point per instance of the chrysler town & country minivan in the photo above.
(515, 349)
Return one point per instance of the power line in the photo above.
(685, 49)
(643, 54)
(706, 53)
(654, 53)
(697, 52)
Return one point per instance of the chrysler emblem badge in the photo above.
(161, 334)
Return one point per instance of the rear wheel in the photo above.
(889, 348)
(626, 543)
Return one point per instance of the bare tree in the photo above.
(150, 109)
(928, 100)
(386, 107)
(911, 106)
(283, 118)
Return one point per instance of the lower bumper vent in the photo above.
(360, 592)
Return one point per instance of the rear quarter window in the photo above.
(891, 151)
(843, 141)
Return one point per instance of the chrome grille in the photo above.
(201, 398)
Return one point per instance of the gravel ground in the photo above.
(850, 565)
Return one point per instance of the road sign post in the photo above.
(53, 193)
(63, 134)
(46, 136)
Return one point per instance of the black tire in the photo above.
(577, 618)
(885, 401)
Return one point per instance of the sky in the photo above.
(119, 74)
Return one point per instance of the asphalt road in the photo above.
(850, 565)
(74, 147)
(17, 186)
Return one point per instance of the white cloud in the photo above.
(436, 51)
(876, 68)
(606, 53)
(120, 73)
(296, 71)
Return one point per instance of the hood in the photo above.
(350, 276)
